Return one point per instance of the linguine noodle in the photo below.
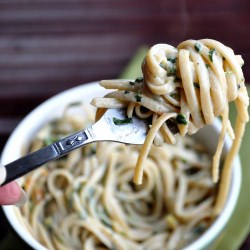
(87, 200)
(189, 85)
(90, 199)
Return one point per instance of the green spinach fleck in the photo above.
(198, 47)
(171, 71)
(181, 119)
(122, 121)
(138, 97)
(211, 54)
(139, 79)
(172, 60)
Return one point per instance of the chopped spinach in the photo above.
(211, 54)
(197, 47)
(172, 60)
(181, 119)
(139, 79)
(171, 71)
(122, 121)
(138, 97)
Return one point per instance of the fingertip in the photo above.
(12, 193)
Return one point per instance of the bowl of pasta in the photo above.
(176, 191)
(88, 199)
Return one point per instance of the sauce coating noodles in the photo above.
(87, 200)
(189, 85)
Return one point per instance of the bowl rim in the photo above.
(27, 128)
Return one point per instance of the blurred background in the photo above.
(47, 46)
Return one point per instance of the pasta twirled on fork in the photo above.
(187, 86)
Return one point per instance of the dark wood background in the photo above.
(47, 46)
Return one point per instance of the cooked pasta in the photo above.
(90, 199)
(188, 87)
(87, 200)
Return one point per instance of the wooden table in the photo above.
(47, 46)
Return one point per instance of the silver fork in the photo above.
(113, 126)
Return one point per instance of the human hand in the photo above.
(12, 194)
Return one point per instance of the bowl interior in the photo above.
(54, 106)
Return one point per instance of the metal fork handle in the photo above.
(51, 152)
(104, 129)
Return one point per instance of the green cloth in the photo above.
(238, 227)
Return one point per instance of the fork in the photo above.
(114, 125)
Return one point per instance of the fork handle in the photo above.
(51, 152)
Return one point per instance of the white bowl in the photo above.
(45, 112)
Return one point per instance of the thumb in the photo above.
(12, 194)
